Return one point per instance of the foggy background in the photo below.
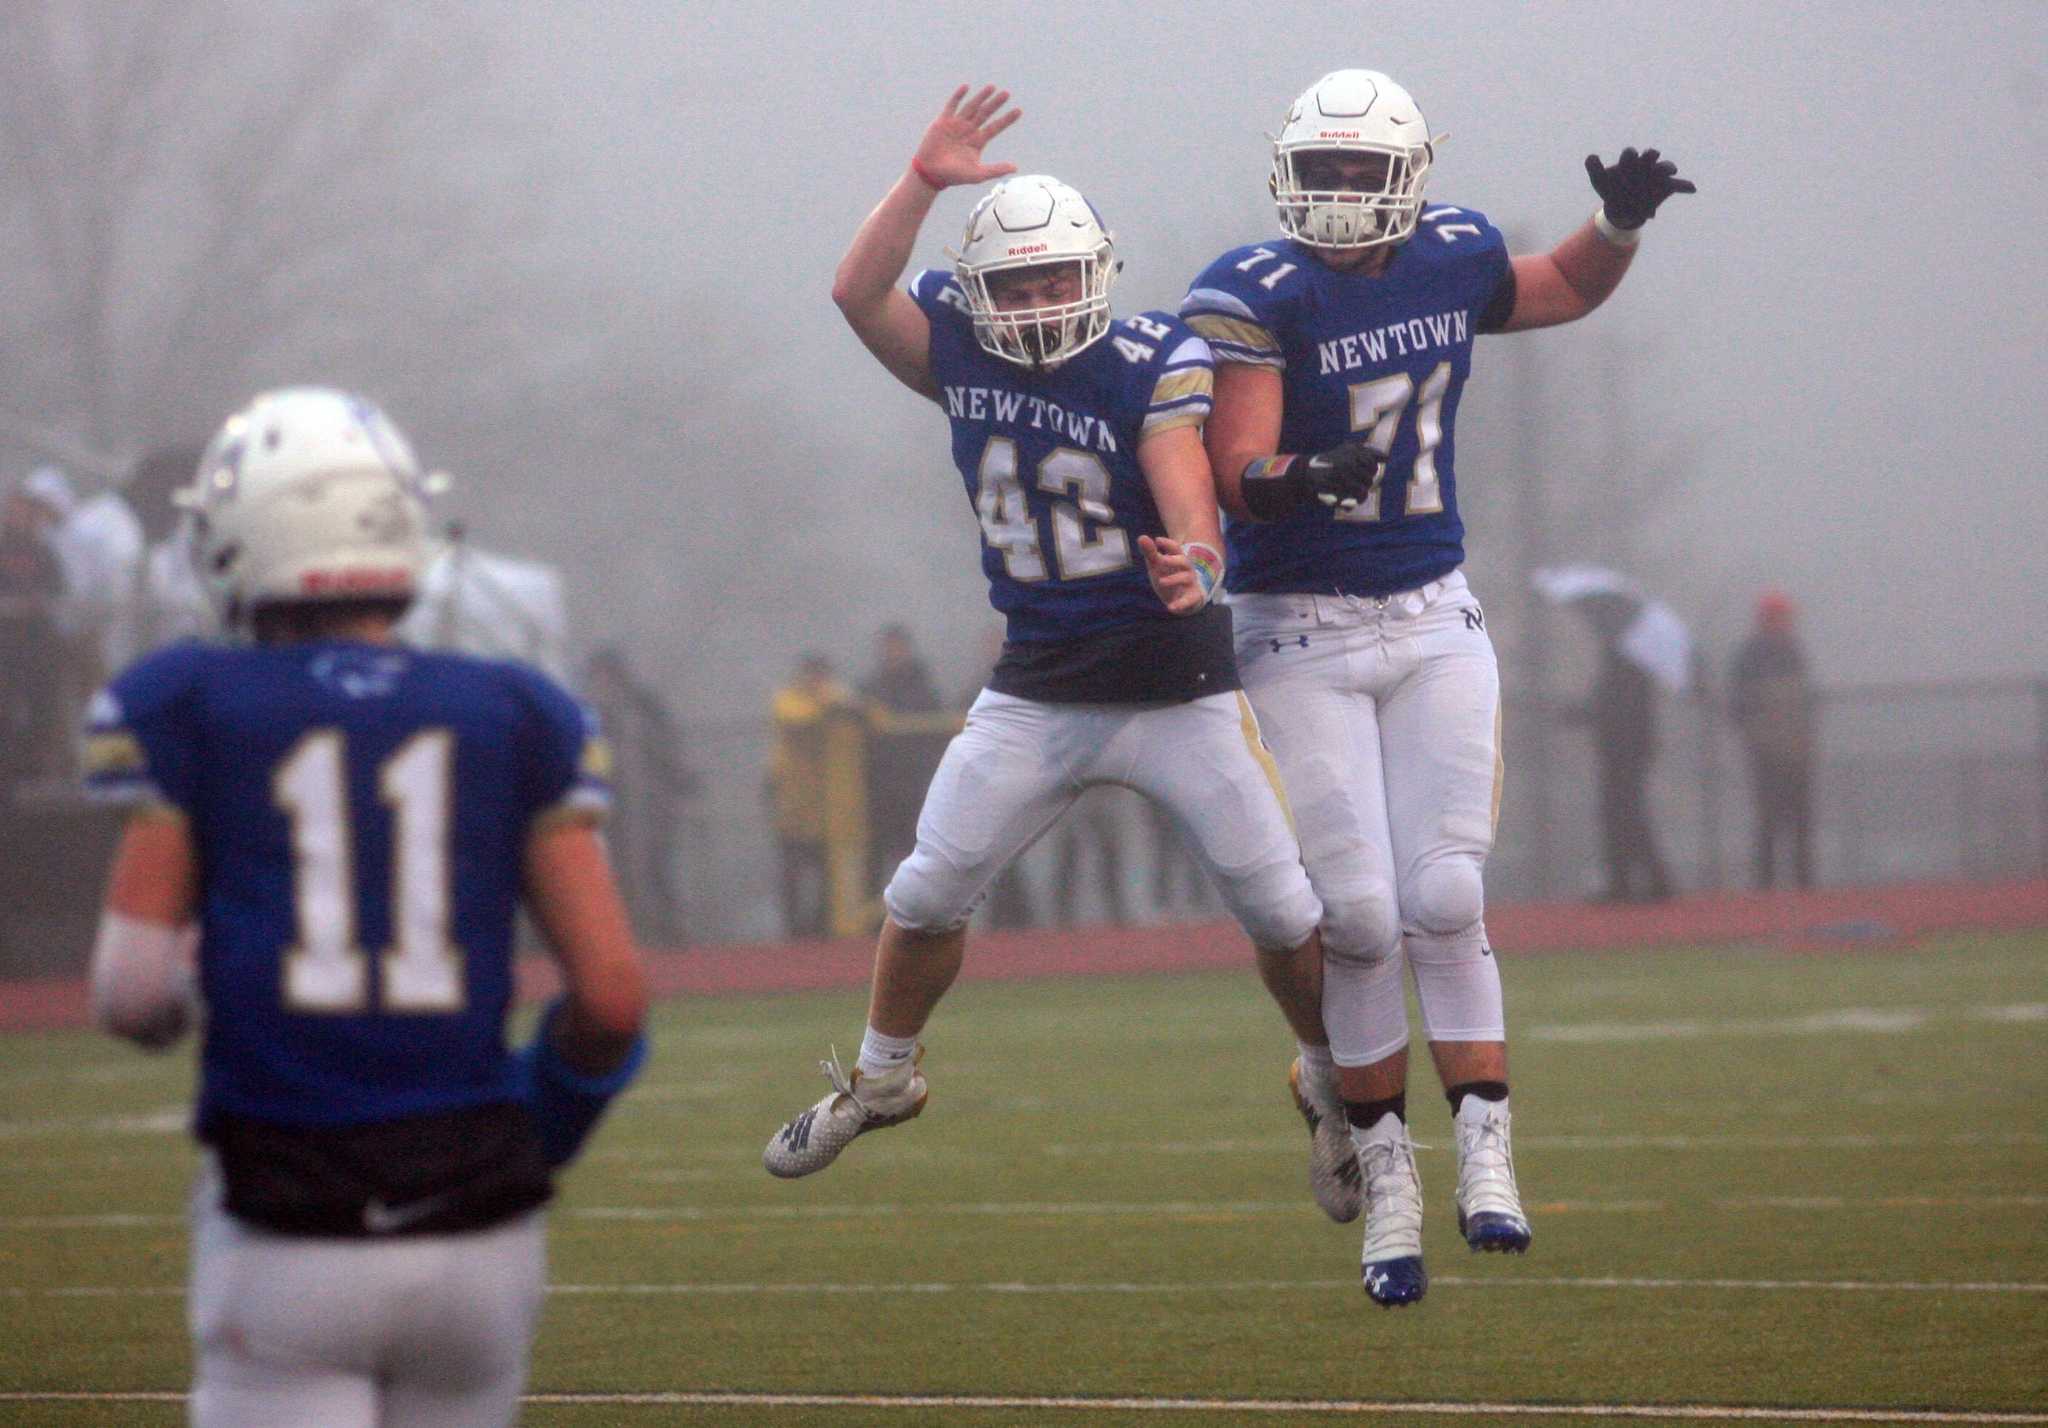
(582, 253)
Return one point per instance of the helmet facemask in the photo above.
(1040, 337)
(1324, 214)
(1025, 224)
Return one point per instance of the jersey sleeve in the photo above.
(1185, 384)
(140, 743)
(568, 763)
(1479, 251)
(1232, 307)
(937, 292)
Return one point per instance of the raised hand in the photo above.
(950, 152)
(1631, 188)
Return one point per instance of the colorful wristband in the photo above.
(1267, 491)
(1208, 564)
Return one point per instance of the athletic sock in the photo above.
(880, 1054)
(1484, 1090)
(1316, 1063)
(1364, 1115)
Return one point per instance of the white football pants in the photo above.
(1020, 763)
(428, 1331)
(1384, 716)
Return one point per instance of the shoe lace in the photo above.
(1485, 1159)
(1393, 1191)
(837, 1074)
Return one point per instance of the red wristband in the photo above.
(925, 175)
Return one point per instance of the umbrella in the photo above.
(1644, 628)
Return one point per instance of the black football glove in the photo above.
(1341, 478)
(1634, 185)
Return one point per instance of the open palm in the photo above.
(950, 152)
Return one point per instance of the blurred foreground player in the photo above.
(1079, 439)
(350, 824)
(1362, 648)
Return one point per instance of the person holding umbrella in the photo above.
(1643, 644)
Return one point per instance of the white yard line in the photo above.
(1353, 1407)
(1026, 1209)
(764, 1289)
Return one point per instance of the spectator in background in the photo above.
(899, 766)
(172, 603)
(796, 792)
(1623, 716)
(33, 719)
(99, 544)
(651, 783)
(1771, 699)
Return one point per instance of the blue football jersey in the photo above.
(1384, 358)
(1051, 461)
(360, 814)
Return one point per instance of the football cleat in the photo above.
(1333, 1176)
(1489, 1207)
(1391, 1261)
(858, 1104)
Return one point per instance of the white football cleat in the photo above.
(1391, 1261)
(1332, 1161)
(1489, 1207)
(858, 1104)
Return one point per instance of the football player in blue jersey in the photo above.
(345, 828)
(1361, 646)
(1078, 436)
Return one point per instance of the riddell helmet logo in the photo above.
(354, 582)
(1027, 248)
(1341, 134)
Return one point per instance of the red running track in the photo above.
(1827, 920)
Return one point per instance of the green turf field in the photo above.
(1756, 1179)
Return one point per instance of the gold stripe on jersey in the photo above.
(1235, 331)
(1169, 421)
(569, 813)
(1188, 382)
(116, 753)
(597, 759)
(1248, 722)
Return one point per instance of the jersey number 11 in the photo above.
(325, 968)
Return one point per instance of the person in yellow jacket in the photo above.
(796, 792)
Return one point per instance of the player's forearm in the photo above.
(573, 896)
(881, 248)
(1592, 266)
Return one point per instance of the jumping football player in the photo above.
(1079, 438)
(1361, 647)
(351, 824)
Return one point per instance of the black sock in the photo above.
(1484, 1090)
(1366, 1114)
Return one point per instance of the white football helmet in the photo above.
(307, 494)
(1026, 221)
(1359, 111)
